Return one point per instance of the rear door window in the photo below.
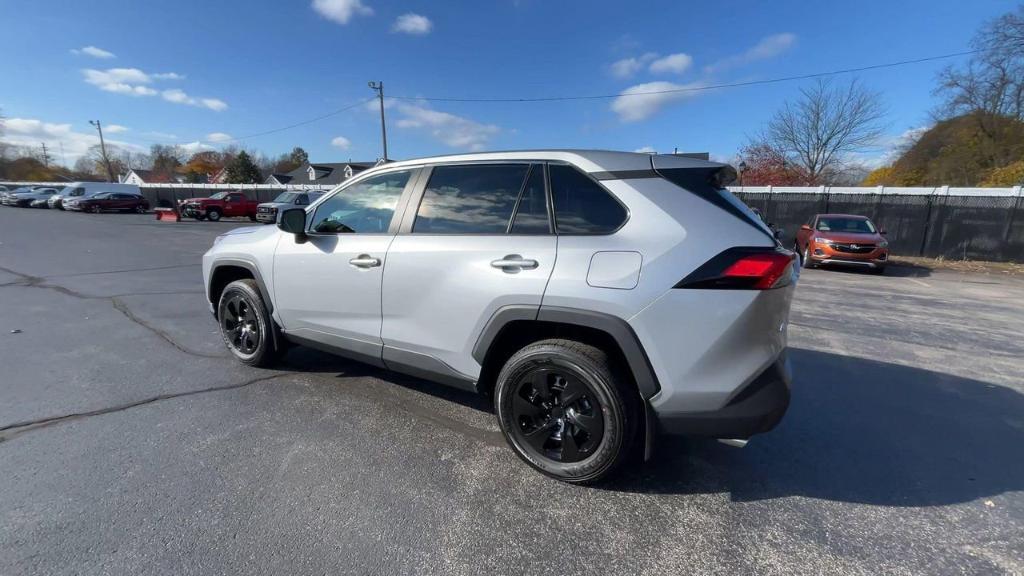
(470, 199)
(581, 205)
(532, 211)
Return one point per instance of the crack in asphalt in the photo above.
(124, 271)
(10, 431)
(29, 281)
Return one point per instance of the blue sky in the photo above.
(200, 72)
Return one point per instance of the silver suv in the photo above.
(598, 297)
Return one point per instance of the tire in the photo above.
(213, 215)
(245, 325)
(95, 209)
(140, 209)
(536, 423)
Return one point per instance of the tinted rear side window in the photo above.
(472, 199)
(582, 206)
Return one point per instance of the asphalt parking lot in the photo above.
(131, 444)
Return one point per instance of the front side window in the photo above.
(850, 225)
(581, 205)
(301, 200)
(365, 207)
(236, 198)
(470, 199)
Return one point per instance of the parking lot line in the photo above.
(916, 281)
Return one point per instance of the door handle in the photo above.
(364, 261)
(514, 262)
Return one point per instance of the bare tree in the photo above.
(821, 130)
(993, 80)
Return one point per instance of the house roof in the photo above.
(326, 172)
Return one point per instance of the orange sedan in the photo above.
(844, 240)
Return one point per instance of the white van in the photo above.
(83, 189)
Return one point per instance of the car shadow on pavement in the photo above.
(861, 431)
(900, 270)
(303, 359)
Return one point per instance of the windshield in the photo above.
(219, 196)
(849, 225)
(286, 197)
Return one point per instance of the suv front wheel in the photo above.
(245, 325)
(565, 411)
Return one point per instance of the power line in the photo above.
(304, 122)
(694, 88)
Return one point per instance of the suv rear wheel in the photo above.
(565, 411)
(245, 325)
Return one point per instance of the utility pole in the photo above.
(103, 149)
(46, 156)
(379, 88)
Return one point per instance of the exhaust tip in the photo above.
(734, 442)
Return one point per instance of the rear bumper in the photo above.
(756, 408)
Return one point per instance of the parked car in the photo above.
(842, 240)
(219, 205)
(24, 199)
(109, 202)
(267, 211)
(83, 189)
(5, 197)
(597, 297)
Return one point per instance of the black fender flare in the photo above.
(617, 328)
(252, 268)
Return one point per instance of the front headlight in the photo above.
(823, 241)
(883, 244)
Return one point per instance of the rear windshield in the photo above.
(700, 182)
(851, 225)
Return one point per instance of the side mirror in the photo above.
(806, 227)
(777, 233)
(293, 221)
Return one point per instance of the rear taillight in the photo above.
(744, 268)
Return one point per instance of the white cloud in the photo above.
(115, 128)
(94, 52)
(646, 150)
(672, 64)
(181, 97)
(341, 142)
(218, 137)
(629, 66)
(454, 131)
(638, 103)
(215, 104)
(168, 76)
(767, 47)
(341, 11)
(193, 147)
(135, 82)
(412, 24)
(30, 132)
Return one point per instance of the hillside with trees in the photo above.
(978, 135)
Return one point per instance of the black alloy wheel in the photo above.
(241, 325)
(568, 410)
(95, 209)
(557, 415)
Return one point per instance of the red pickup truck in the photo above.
(221, 204)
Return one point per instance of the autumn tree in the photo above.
(242, 170)
(762, 164)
